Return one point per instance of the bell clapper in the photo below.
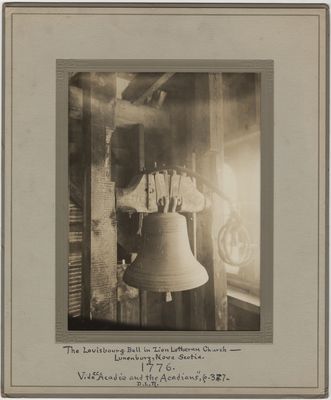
(168, 297)
(173, 204)
(140, 223)
(165, 204)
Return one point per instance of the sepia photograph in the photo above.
(164, 201)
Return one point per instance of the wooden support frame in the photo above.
(208, 139)
(154, 87)
(100, 276)
(86, 198)
(125, 113)
(144, 85)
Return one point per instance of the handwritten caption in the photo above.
(152, 365)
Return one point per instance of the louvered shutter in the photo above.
(75, 260)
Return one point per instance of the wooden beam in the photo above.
(75, 102)
(210, 301)
(153, 119)
(103, 306)
(128, 301)
(123, 112)
(76, 194)
(139, 84)
(144, 85)
(129, 305)
(154, 87)
(216, 106)
(86, 196)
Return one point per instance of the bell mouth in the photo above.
(164, 287)
(179, 282)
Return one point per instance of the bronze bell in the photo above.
(165, 262)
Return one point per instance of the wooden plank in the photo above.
(153, 119)
(128, 297)
(216, 133)
(209, 302)
(140, 83)
(190, 156)
(152, 306)
(198, 145)
(176, 313)
(103, 272)
(144, 85)
(125, 113)
(141, 147)
(203, 298)
(217, 220)
(86, 196)
(257, 93)
(128, 301)
(192, 232)
(143, 295)
(75, 102)
(154, 87)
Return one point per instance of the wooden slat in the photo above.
(75, 261)
(75, 304)
(75, 286)
(75, 236)
(74, 270)
(74, 301)
(75, 289)
(74, 279)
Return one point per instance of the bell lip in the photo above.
(134, 280)
(165, 214)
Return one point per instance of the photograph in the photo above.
(164, 217)
(165, 200)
